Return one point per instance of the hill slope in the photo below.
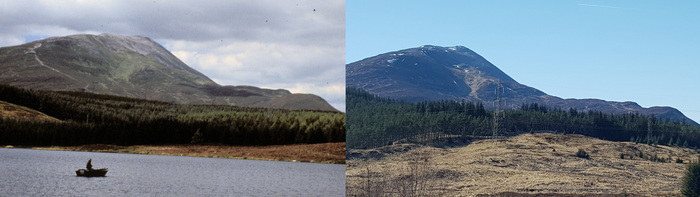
(12, 111)
(133, 66)
(526, 164)
(429, 73)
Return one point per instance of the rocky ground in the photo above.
(526, 165)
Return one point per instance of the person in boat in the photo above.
(89, 164)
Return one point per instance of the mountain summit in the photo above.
(429, 73)
(133, 66)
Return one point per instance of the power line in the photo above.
(498, 116)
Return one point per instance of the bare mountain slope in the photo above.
(133, 66)
(457, 73)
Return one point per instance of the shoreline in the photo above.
(330, 153)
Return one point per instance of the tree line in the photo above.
(375, 121)
(89, 118)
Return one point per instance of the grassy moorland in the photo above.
(526, 165)
(317, 153)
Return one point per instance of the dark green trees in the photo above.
(582, 154)
(374, 121)
(127, 121)
(197, 138)
(691, 181)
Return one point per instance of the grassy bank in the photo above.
(316, 153)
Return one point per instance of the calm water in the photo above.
(26, 172)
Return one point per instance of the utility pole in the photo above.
(649, 130)
(498, 115)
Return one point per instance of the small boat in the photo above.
(91, 173)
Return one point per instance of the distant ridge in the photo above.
(132, 66)
(429, 73)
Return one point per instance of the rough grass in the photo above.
(528, 165)
(12, 111)
(317, 153)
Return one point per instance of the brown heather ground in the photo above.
(526, 165)
(317, 153)
(9, 110)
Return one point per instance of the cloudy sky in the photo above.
(294, 45)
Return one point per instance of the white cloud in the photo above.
(318, 70)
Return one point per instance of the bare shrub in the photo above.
(416, 178)
(413, 175)
(369, 183)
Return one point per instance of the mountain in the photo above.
(430, 73)
(132, 66)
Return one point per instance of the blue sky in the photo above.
(641, 51)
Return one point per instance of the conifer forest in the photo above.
(374, 122)
(87, 118)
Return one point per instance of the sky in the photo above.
(298, 45)
(641, 51)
